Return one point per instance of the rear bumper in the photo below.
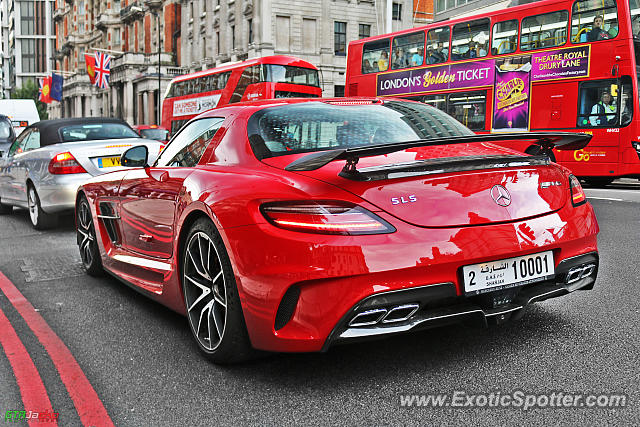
(438, 304)
(58, 193)
(297, 289)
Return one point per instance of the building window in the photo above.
(340, 38)
(396, 12)
(250, 25)
(338, 91)
(283, 39)
(116, 37)
(28, 56)
(364, 31)
(309, 34)
(27, 18)
(191, 10)
(233, 37)
(217, 42)
(204, 6)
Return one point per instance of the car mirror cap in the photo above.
(135, 157)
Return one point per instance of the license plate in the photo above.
(508, 273)
(108, 162)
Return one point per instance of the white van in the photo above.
(22, 112)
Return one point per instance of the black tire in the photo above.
(599, 181)
(536, 150)
(208, 282)
(39, 218)
(5, 209)
(87, 240)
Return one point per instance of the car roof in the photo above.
(253, 106)
(49, 134)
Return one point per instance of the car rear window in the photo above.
(96, 131)
(157, 134)
(5, 129)
(318, 126)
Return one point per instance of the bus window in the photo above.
(469, 108)
(438, 101)
(505, 37)
(375, 56)
(289, 74)
(437, 45)
(408, 51)
(594, 20)
(634, 8)
(470, 40)
(546, 30)
(605, 103)
(250, 75)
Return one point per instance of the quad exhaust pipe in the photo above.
(580, 272)
(395, 314)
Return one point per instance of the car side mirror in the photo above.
(135, 157)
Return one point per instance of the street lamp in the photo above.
(157, 15)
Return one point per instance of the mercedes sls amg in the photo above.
(295, 225)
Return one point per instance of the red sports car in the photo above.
(294, 225)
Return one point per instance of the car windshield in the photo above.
(318, 126)
(5, 129)
(157, 134)
(93, 131)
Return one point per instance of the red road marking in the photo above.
(34, 395)
(85, 399)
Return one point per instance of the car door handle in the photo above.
(145, 237)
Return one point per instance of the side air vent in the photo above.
(287, 307)
(109, 216)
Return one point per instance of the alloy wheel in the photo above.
(86, 230)
(33, 205)
(205, 291)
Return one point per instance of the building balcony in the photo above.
(131, 13)
(59, 13)
(153, 4)
(106, 18)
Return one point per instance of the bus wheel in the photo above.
(598, 181)
(536, 150)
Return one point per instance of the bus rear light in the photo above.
(577, 193)
(65, 163)
(325, 218)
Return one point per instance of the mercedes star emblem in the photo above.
(500, 195)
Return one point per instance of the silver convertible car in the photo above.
(50, 159)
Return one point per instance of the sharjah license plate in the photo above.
(508, 273)
(108, 162)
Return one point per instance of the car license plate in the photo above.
(508, 273)
(108, 162)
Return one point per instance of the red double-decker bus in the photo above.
(552, 65)
(261, 78)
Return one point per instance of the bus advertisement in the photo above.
(261, 78)
(552, 65)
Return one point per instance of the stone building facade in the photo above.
(218, 31)
(128, 30)
(26, 42)
(200, 34)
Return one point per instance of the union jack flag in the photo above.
(102, 70)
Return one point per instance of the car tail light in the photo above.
(577, 193)
(325, 218)
(65, 163)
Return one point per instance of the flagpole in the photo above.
(113, 52)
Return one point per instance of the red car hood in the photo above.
(451, 199)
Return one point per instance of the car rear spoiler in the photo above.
(546, 142)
